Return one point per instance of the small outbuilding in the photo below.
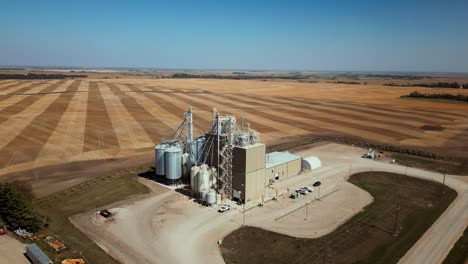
(311, 163)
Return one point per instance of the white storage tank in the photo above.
(211, 197)
(159, 158)
(194, 172)
(185, 164)
(203, 196)
(204, 179)
(173, 162)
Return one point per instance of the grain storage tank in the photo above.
(194, 172)
(211, 197)
(185, 164)
(203, 179)
(159, 158)
(173, 162)
(203, 196)
(200, 149)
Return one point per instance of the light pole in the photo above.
(243, 206)
(445, 171)
(318, 196)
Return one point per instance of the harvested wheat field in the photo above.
(64, 122)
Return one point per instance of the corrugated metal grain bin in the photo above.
(36, 255)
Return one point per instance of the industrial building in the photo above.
(280, 165)
(226, 162)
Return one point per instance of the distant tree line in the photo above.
(16, 210)
(29, 76)
(454, 97)
(433, 85)
(8, 69)
(396, 76)
(235, 77)
(343, 82)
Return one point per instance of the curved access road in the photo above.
(170, 228)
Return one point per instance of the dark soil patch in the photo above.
(99, 133)
(431, 128)
(368, 237)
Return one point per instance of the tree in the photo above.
(16, 209)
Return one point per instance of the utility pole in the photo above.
(325, 253)
(243, 211)
(445, 172)
(395, 228)
(96, 215)
(307, 206)
(244, 215)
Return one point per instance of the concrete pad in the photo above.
(11, 251)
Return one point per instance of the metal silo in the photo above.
(200, 149)
(213, 177)
(203, 196)
(159, 158)
(173, 162)
(211, 197)
(203, 179)
(194, 172)
(185, 164)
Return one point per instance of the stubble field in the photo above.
(55, 125)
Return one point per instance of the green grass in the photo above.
(96, 192)
(459, 252)
(368, 237)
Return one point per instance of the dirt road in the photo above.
(171, 228)
(437, 242)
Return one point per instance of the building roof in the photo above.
(274, 159)
(311, 163)
(249, 146)
(37, 252)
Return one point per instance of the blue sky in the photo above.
(264, 35)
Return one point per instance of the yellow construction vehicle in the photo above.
(73, 261)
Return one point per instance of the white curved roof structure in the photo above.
(311, 163)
